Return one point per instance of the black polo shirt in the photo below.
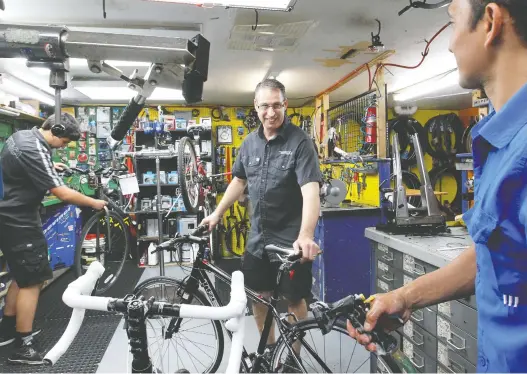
(27, 174)
(275, 171)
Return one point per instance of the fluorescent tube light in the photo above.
(20, 89)
(282, 5)
(430, 85)
(124, 93)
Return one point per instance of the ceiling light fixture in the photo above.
(124, 93)
(21, 89)
(276, 5)
(437, 83)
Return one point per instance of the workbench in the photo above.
(344, 266)
(440, 338)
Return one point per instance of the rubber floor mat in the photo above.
(95, 334)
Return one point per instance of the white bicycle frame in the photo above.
(77, 296)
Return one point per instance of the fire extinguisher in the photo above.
(371, 125)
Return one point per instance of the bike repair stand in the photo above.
(427, 218)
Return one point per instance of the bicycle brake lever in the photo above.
(385, 343)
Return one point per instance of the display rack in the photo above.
(155, 165)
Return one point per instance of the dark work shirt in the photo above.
(27, 174)
(275, 171)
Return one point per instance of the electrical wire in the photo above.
(424, 54)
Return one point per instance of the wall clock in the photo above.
(224, 134)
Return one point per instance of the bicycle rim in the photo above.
(333, 349)
(93, 245)
(188, 174)
(197, 346)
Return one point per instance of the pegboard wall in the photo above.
(239, 121)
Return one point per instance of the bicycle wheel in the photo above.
(197, 345)
(187, 167)
(93, 245)
(325, 347)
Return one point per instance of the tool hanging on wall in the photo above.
(251, 120)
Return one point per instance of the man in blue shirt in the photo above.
(489, 41)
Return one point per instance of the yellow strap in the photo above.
(369, 299)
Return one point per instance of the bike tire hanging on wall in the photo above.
(440, 172)
(404, 127)
(441, 128)
(467, 138)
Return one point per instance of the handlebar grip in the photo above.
(127, 119)
(199, 231)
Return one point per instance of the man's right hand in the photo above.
(211, 221)
(391, 303)
(99, 204)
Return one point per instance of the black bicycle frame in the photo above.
(199, 277)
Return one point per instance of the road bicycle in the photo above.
(329, 321)
(138, 310)
(106, 236)
(198, 189)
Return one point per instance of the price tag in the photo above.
(129, 184)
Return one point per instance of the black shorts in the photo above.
(260, 274)
(26, 252)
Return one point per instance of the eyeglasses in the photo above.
(265, 107)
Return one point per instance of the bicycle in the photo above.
(327, 317)
(197, 188)
(137, 310)
(97, 240)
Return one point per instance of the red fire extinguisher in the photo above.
(371, 125)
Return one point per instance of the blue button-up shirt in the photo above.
(497, 223)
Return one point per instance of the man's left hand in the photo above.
(59, 166)
(310, 249)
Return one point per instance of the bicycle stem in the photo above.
(136, 330)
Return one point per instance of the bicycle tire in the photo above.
(85, 230)
(191, 207)
(310, 323)
(438, 172)
(200, 296)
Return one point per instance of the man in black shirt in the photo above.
(27, 174)
(280, 167)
